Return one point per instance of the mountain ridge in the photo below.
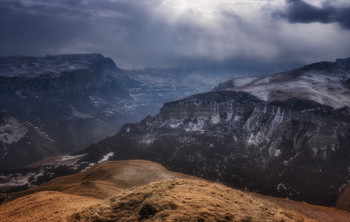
(58, 104)
(322, 82)
(237, 138)
(295, 148)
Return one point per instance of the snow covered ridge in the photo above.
(325, 83)
(53, 66)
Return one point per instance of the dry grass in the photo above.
(106, 179)
(186, 200)
(319, 213)
(44, 206)
(139, 190)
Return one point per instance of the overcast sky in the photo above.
(179, 33)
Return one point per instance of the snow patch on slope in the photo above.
(18, 179)
(318, 86)
(215, 119)
(147, 139)
(106, 157)
(12, 131)
(197, 125)
(242, 81)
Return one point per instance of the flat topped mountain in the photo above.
(325, 83)
(56, 104)
(49, 66)
(137, 190)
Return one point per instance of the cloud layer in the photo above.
(301, 11)
(163, 33)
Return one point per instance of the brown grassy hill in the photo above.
(186, 200)
(44, 206)
(139, 190)
(106, 179)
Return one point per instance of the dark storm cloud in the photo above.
(165, 33)
(121, 29)
(302, 12)
(24, 29)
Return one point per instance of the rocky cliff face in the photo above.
(291, 147)
(56, 104)
(296, 149)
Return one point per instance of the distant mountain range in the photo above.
(285, 134)
(59, 104)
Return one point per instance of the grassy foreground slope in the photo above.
(138, 190)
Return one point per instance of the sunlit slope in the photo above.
(44, 206)
(107, 178)
(186, 200)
